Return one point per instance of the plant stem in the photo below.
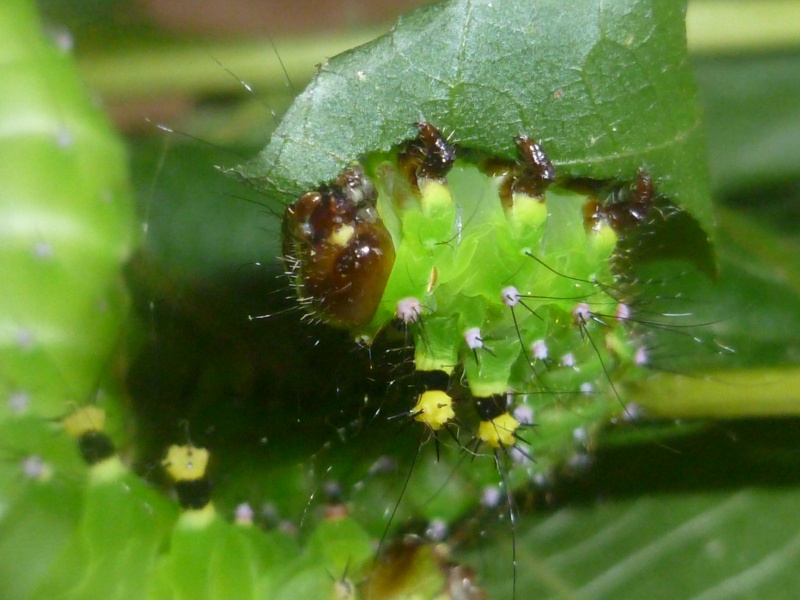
(188, 68)
(764, 392)
(715, 27)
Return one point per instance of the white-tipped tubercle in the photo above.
(510, 296)
(408, 310)
(473, 338)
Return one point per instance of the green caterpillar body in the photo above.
(65, 235)
(502, 274)
(501, 260)
(67, 227)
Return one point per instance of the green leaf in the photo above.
(605, 87)
(700, 545)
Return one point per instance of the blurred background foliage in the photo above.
(710, 511)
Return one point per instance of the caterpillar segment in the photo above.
(209, 554)
(187, 467)
(413, 567)
(434, 407)
(86, 425)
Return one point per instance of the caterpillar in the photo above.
(71, 231)
(494, 245)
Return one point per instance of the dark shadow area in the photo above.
(725, 455)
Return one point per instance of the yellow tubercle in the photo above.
(198, 518)
(500, 431)
(84, 419)
(435, 195)
(434, 408)
(602, 240)
(527, 213)
(186, 463)
(342, 235)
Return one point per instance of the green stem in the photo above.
(770, 248)
(184, 68)
(764, 392)
(715, 27)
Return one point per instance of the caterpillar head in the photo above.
(337, 251)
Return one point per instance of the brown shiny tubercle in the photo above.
(345, 284)
(429, 156)
(338, 254)
(626, 207)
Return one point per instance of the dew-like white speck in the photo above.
(581, 313)
(25, 338)
(384, 464)
(640, 359)
(64, 138)
(568, 360)
(62, 38)
(623, 313)
(524, 415)
(580, 435)
(436, 530)
(519, 456)
(35, 467)
(332, 489)
(633, 412)
(42, 250)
